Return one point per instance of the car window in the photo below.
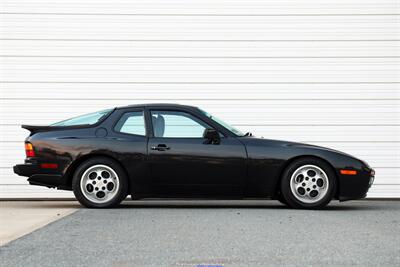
(87, 119)
(224, 124)
(177, 124)
(131, 123)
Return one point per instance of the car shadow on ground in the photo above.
(219, 204)
(244, 204)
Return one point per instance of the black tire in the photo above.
(282, 200)
(289, 197)
(121, 193)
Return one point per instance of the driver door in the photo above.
(183, 163)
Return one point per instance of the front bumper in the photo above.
(37, 176)
(356, 187)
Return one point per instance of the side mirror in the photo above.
(212, 136)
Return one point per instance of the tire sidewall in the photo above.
(287, 192)
(123, 182)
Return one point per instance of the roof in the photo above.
(162, 105)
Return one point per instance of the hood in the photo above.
(304, 145)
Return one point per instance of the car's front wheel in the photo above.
(100, 183)
(308, 183)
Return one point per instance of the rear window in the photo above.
(131, 123)
(87, 119)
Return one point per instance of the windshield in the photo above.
(224, 124)
(87, 119)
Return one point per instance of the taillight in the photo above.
(29, 150)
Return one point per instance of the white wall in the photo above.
(324, 72)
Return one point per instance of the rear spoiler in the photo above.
(44, 128)
(37, 128)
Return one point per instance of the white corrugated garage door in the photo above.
(324, 72)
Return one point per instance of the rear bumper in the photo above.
(26, 169)
(49, 180)
(37, 177)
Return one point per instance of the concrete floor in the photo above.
(223, 233)
(18, 218)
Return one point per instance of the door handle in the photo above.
(160, 147)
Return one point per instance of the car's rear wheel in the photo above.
(100, 183)
(308, 183)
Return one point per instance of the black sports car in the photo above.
(168, 150)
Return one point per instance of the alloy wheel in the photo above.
(99, 183)
(309, 184)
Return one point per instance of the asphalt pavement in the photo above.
(215, 233)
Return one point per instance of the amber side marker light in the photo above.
(348, 172)
(29, 150)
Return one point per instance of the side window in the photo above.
(177, 124)
(131, 123)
